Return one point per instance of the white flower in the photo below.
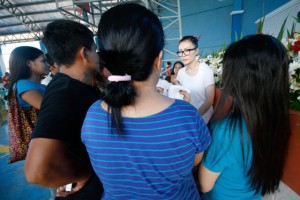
(295, 86)
(297, 36)
(215, 63)
(292, 41)
(293, 67)
(285, 42)
(219, 71)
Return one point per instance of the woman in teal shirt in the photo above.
(246, 157)
(25, 93)
(27, 67)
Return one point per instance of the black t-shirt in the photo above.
(64, 106)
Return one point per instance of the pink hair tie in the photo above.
(114, 78)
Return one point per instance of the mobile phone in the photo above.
(68, 187)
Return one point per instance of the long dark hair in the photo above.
(18, 64)
(255, 76)
(130, 38)
(175, 63)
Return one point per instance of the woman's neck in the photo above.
(192, 68)
(35, 78)
(147, 102)
(193, 65)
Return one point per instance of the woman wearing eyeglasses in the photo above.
(197, 77)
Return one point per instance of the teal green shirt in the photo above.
(24, 85)
(225, 156)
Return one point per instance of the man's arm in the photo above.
(49, 163)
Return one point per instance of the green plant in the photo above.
(292, 44)
(261, 25)
(280, 34)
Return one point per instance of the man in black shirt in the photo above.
(57, 156)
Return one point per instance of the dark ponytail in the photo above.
(117, 95)
(130, 38)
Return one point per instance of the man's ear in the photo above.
(82, 54)
(158, 62)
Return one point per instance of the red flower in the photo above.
(295, 47)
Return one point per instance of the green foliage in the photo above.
(224, 46)
(280, 34)
(261, 25)
(294, 103)
(289, 33)
(297, 19)
(295, 76)
(237, 38)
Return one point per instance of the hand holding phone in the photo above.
(68, 187)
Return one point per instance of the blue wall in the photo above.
(211, 20)
(208, 19)
(254, 9)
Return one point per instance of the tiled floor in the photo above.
(13, 185)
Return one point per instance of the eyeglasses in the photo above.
(185, 52)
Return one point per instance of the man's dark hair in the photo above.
(49, 60)
(63, 38)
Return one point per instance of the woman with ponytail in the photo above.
(142, 145)
(249, 144)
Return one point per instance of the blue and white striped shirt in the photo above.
(154, 156)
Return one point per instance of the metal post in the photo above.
(236, 27)
(2, 68)
(169, 14)
(179, 18)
